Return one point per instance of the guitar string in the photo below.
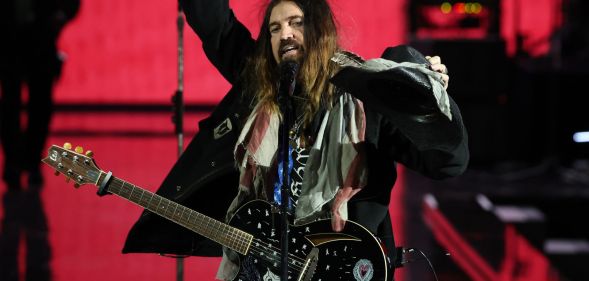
(275, 251)
(233, 236)
(292, 264)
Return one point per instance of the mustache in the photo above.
(290, 42)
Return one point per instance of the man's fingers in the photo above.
(337, 222)
(434, 60)
(446, 79)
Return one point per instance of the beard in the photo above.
(291, 50)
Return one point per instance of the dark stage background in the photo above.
(517, 69)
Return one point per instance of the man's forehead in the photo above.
(285, 11)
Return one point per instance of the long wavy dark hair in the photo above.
(261, 72)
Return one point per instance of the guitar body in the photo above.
(353, 254)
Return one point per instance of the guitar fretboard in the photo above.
(208, 227)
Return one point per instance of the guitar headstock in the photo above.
(74, 165)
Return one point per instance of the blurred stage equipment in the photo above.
(435, 19)
(466, 36)
(509, 237)
(520, 110)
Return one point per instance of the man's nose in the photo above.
(286, 33)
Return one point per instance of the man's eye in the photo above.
(297, 23)
(274, 29)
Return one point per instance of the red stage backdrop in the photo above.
(125, 51)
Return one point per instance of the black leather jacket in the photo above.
(205, 178)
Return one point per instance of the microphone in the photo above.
(288, 74)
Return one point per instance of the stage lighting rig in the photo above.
(442, 19)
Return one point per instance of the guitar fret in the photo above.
(214, 229)
(166, 207)
(222, 230)
(130, 193)
(173, 213)
(136, 195)
(140, 197)
(230, 234)
(201, 225)
(163, 207)
(189, 216)
(158, 204)
(195, 225)
(153, 202)
(119, 188)
(123, 189)
(170, 211)
(231, 238)
(144, 203)
(133, 196)
(147, 199)
(116, 185)
(177, 214)
(204, 224)
(240, 241)
(181, 214)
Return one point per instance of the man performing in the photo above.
(352, 121)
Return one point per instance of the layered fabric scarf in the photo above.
(334, 172)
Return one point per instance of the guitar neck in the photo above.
(208, 227)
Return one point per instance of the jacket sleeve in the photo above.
(225, 40)
(438, 149)
(412, 131)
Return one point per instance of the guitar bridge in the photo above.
(310, 265)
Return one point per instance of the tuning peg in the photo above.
(90, 153)
(76, 185)
(67, 145)
(56, 173)
(79, 149)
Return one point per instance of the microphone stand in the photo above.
(178, 112)
(284, 198)
(286, 89)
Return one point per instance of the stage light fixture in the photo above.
(580, 137)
